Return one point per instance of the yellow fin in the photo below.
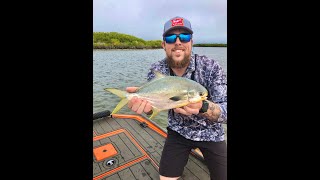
(155, 111)
(120, 93)
(120, 105)
(158, 74)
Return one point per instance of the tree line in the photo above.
(114, 40)
(210, 45)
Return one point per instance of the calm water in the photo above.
(123, 68)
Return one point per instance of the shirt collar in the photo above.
(191, 66)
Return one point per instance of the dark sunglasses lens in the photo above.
(171, 38)
(185, 37)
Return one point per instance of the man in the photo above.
(197, 125)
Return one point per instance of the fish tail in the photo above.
(122, 95)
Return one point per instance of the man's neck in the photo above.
(179, 71)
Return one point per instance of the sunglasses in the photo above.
(171, 38)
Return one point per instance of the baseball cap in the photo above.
(175, 23)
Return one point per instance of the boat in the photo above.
(129, 146)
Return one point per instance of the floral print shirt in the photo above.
(209, 74)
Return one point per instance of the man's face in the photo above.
(178, 53)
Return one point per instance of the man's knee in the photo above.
(168, 178)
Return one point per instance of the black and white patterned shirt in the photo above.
(209, 74)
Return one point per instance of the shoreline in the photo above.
(151, 48)
(115, 40)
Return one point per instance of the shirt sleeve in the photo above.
(155, 67)
(217, 88)
(150, 74)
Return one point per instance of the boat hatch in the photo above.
(104, 152)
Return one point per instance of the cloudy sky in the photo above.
(145, 18)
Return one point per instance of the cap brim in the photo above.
(177, 27)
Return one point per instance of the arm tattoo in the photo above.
(213, 112)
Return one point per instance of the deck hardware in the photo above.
(144, 124)
(110, 162)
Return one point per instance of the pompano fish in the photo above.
(164, 92)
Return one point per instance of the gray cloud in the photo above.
(145, 18)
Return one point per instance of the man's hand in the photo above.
(189, 109)
(138, 105)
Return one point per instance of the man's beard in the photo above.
(180, 64)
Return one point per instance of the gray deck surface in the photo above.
(128, 152)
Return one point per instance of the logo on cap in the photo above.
(177, 22)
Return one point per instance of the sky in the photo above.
(145, 19)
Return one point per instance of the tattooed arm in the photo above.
(217, 89)
(213, 112)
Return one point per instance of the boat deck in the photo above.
(125, 148)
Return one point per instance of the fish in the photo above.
(163, 92)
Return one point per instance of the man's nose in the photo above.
(178, 42)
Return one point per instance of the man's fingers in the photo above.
(181, 111)
(197, 105)
(148, 107)
(136, 105)
(131, 102)
(141, 108)
(191, 110)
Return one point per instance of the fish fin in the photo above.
(175, 98)
(122, 95)
(123, 102)
(158, 74)
(155, 111)
(179, 97)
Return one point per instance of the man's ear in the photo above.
(163, 45)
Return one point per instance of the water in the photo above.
(123, 68)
